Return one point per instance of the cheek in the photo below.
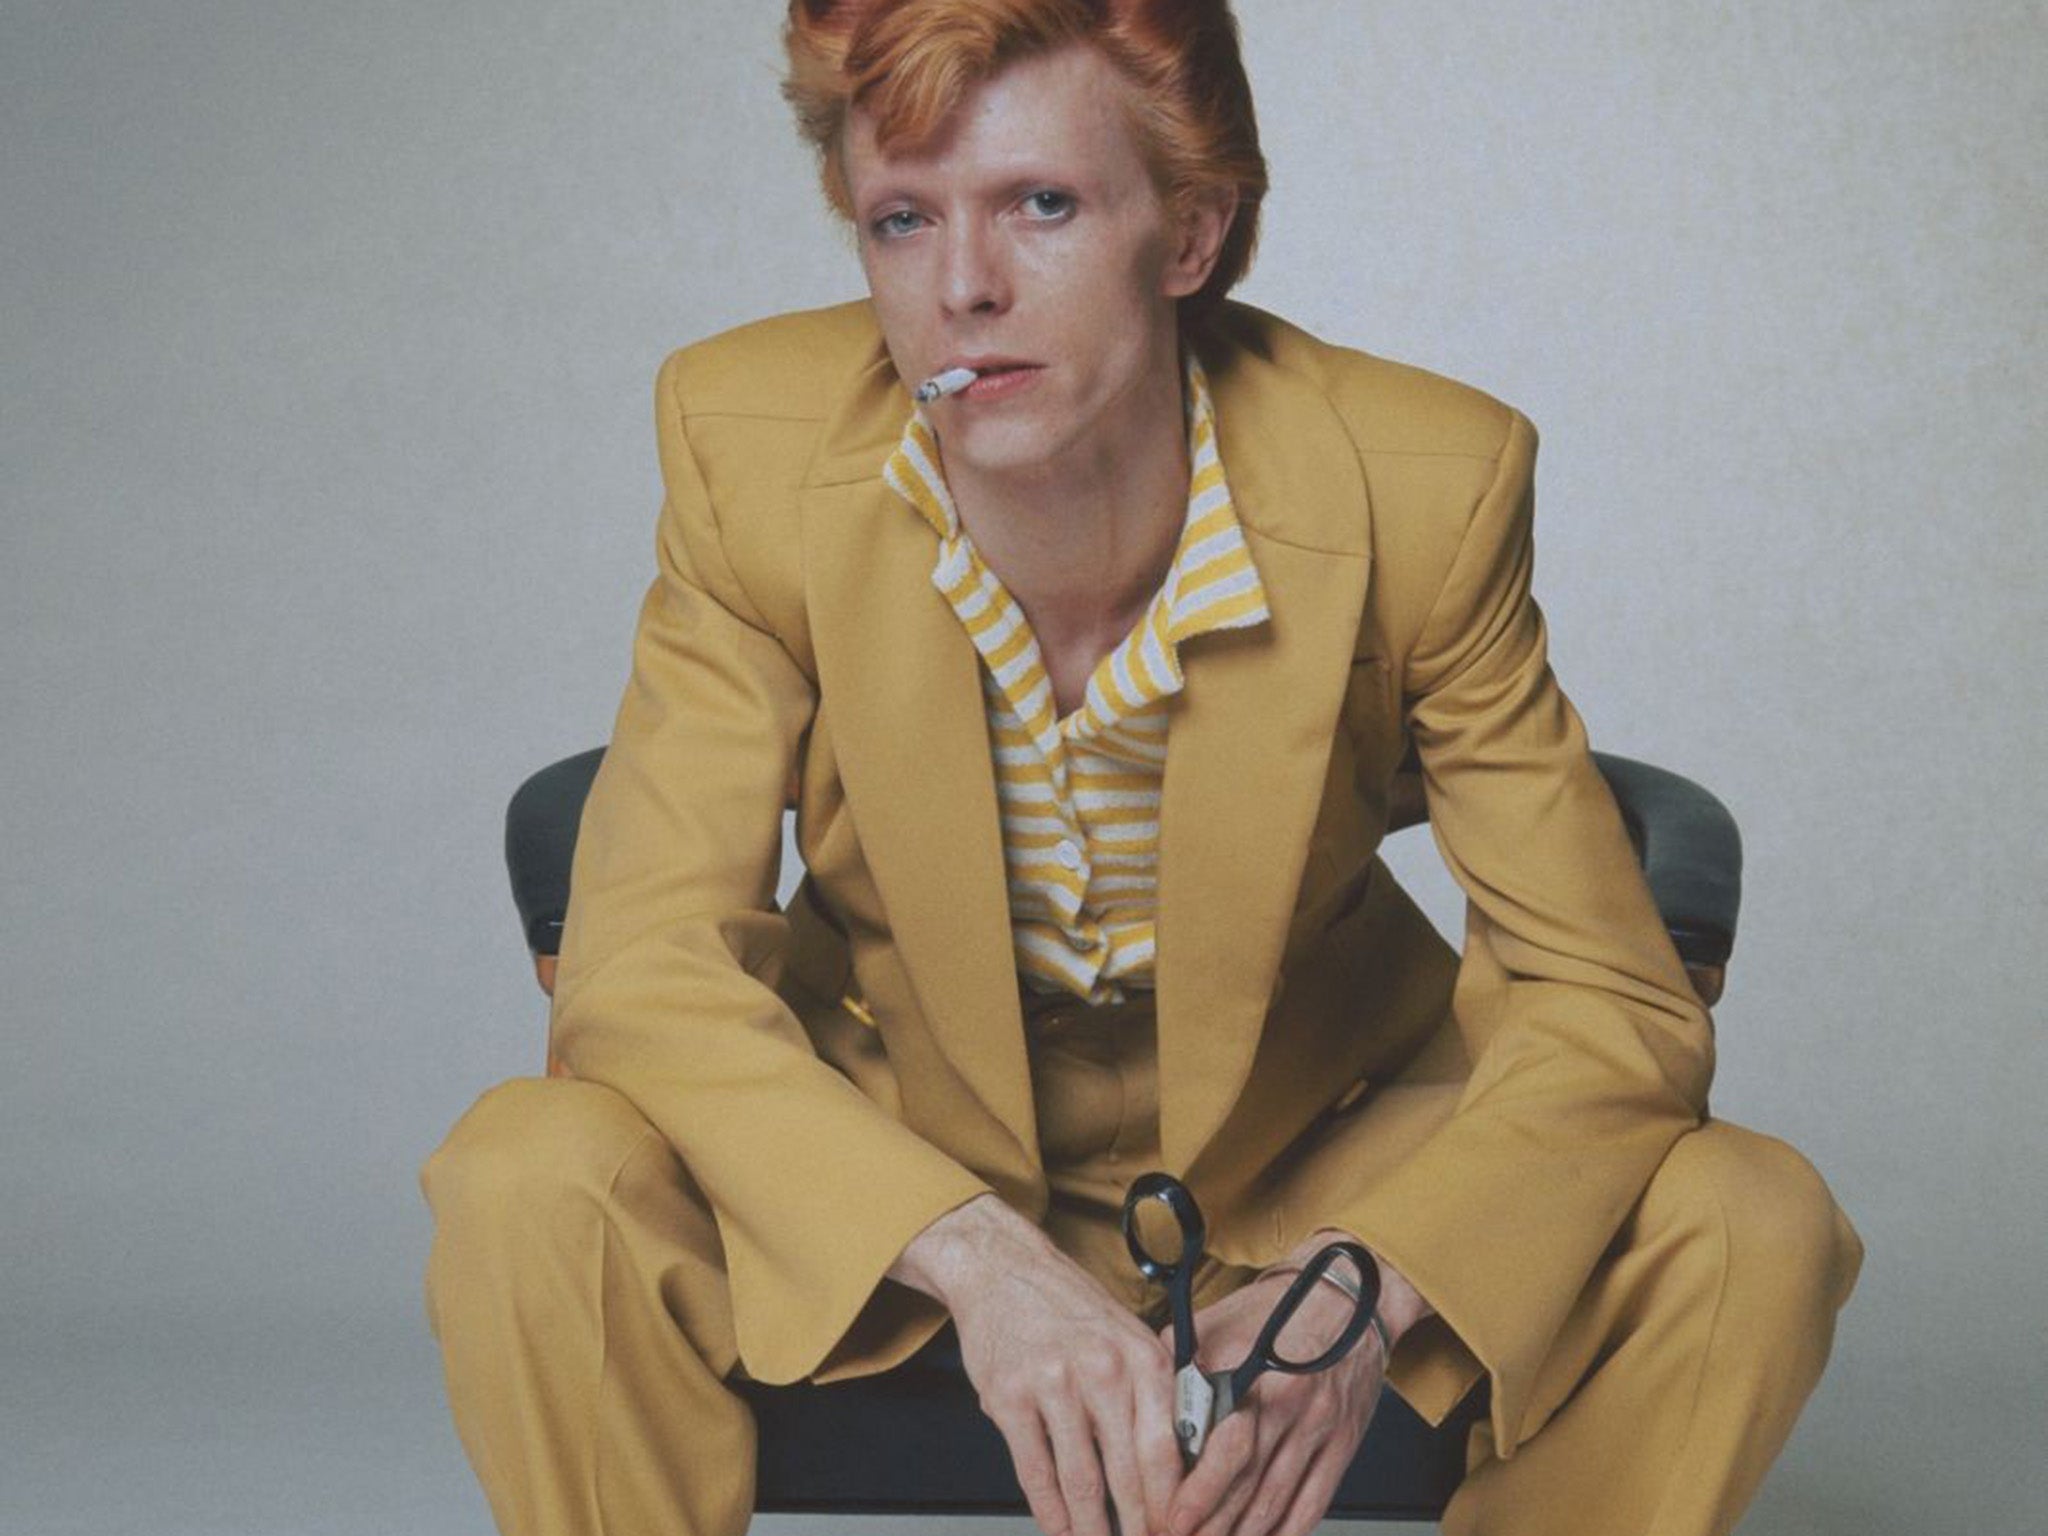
(887, 284)
(897, 310)
(1096, 301)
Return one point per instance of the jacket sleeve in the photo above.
(673, 949)
(1590, 1053)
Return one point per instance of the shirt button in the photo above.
(1068, 855)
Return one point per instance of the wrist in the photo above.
(946, 1259)
(1400, 1305)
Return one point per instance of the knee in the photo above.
(529, 1151)
(1788, 1249)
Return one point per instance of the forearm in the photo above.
(950, 1257)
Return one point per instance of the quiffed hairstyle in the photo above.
(911, 61)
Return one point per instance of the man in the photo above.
(1093, 676)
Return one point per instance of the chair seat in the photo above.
(914, 1440)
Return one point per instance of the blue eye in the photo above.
(1045, 206)
(896, 224)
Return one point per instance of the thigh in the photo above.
(562, 1129)
(541, 1172)
(531, 1148)
(1735, 1245)
(1679, 1369)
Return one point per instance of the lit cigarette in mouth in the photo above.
(951, 382)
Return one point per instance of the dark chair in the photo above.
(914, 1440)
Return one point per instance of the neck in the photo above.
(1082, 544)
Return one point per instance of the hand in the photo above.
(1274, 1464)
(1080, 1388)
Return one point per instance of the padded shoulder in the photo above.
(791, 367)
(1430, 449)
(1388, 407)
(738, 417)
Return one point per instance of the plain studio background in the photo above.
(329, 338)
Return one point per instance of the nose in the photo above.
(975, 279)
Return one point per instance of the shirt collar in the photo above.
(1211, 584)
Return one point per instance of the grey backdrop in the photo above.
(329, 490)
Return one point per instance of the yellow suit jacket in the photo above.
(1484, 1121)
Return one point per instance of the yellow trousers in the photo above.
(577, 1288)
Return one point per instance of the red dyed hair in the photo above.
(911, 61)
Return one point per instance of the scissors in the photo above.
(1203, 1399)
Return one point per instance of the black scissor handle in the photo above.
(1177, 1274)
(1194, 1233)
(1265, 1355)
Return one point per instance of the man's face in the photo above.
(1027, 237)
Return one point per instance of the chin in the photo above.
(1009, 447)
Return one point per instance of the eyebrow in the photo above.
(1011, 186)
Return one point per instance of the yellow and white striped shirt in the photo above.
(1079, 796)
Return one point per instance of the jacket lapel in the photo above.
(1249, 740)
(1248, 744)
(901, 679)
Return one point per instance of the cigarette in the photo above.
(951, 382)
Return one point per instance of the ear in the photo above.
(1200, 234)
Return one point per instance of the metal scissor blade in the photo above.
(1193, 1399)
(1224, 1403)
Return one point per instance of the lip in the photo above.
(987, 361)
(1000, 377)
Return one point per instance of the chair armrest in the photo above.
(1688, 842)
(1691, 853)
(1690, 848)
(540, 842)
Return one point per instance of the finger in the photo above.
(1116, 1442)
(1278, 1482)
(1158, 1451)
(1078, 1468)
(1031, 1456)
(1231, 1506)
(1225, 1456)
(1312, 1500)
